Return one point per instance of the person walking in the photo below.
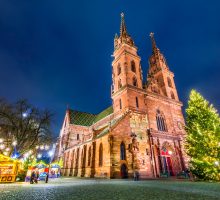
(135, 175)
(32, 177)
(47, 177)
(36, 176)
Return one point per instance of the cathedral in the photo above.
(142, 131)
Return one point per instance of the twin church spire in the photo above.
(127, 72)
(155, 50)
(124, 37)
(123, 30)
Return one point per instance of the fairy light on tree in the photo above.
(23, 126)
(203, 137)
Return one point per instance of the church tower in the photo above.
(160, 79)
(126, 72)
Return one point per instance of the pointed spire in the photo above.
(154, 46)
(123, 30)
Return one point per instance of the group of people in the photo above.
(35, 177)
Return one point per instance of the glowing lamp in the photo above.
(7, 149)
(24, 115)
(14, 143)
(216, 163)
(46, 147)
(170, 152)
(50, 153)
(39, 155)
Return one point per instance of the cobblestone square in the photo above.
(73, 188)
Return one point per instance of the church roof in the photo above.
(87, 119)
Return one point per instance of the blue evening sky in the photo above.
(56, 53)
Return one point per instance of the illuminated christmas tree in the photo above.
(203, 137)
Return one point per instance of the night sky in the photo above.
(58, 53)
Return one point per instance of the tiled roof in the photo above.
(87, 119)
(104, 114)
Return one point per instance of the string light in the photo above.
(50, 153)
(14, 143)
(39, 155)
(170, 152)
(7, 149)
(2, 146)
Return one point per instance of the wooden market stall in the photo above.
(9, 169)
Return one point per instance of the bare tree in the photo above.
(25, 124)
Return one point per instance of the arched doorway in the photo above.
(166, 160)
(124, 171)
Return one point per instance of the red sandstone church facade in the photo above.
(142, 130)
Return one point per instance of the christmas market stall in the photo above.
(54, 170)
(41, 169)
(9, 169)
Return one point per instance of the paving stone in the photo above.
(75, 188)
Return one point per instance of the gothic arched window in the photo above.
(169, 82)
(134, 81)
(119, 84)
(133, 68)
(100, 155)
(137, 103)
(122, 151)
(89, 156)
(161, 123)
(172, 95)
(119, 69)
